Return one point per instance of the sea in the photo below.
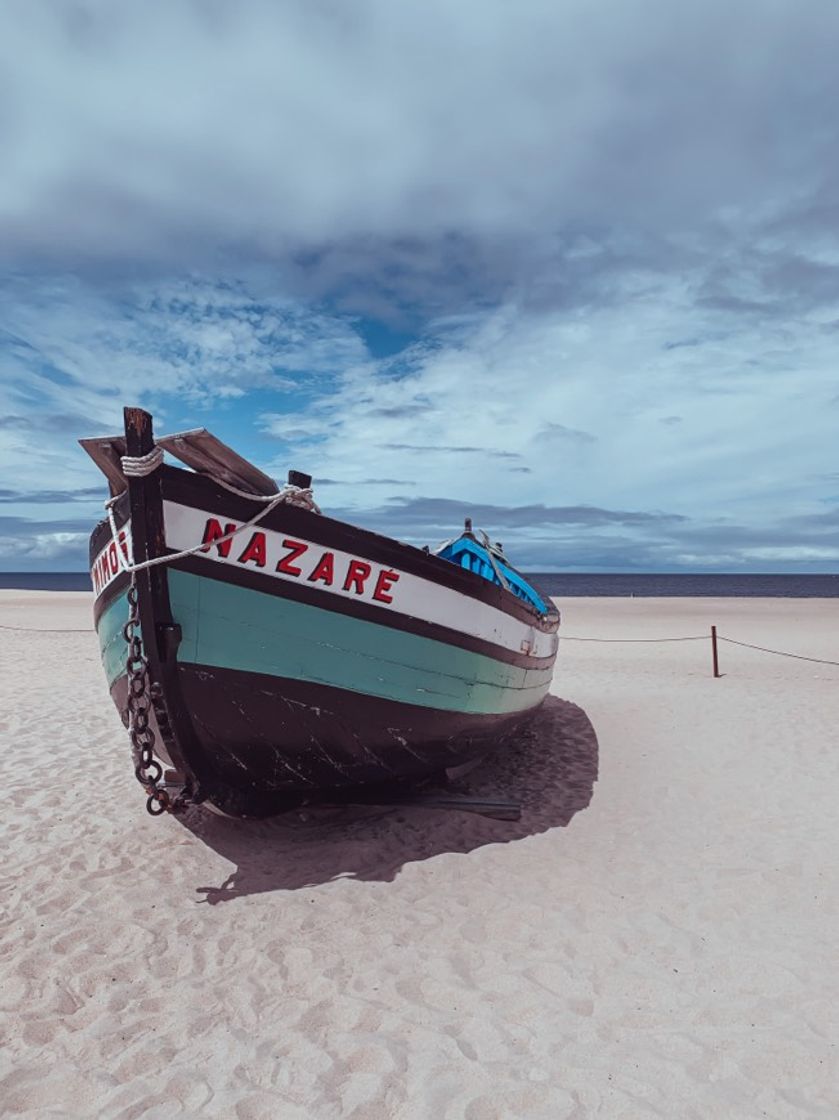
(568, 584)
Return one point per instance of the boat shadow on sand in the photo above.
(550, 772)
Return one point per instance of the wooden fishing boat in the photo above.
(278, 654)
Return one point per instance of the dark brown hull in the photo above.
(264, 748)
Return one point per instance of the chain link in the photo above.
(147, 769)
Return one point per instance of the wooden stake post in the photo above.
(714, 651)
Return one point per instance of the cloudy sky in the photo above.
(572, 267)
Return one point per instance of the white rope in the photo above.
(130, 566)
(141, 465)
(301, 496)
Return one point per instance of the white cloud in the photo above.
(186, 336)
(579, 399)
(785, 554)
(76, 355)
(43, 547)
(610, 229)
(174, 127)
(513, 406)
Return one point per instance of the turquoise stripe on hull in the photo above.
(112, 646)
(232, 627)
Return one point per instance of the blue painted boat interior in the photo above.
(468, 553)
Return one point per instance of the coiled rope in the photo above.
(138, 466)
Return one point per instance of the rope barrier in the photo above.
(43, 630)
(564, 637)
(704, 638)
(692, 638)
(778, 652)
(143, 465)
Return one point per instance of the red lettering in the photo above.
(94, 576)
(295, 549)
(112, 557)
(106, 571)
(357, 573)
(212, 532)
(255, 551)
(383, 585)
(324, 569)
(123, 545)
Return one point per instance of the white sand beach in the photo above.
(656, 937)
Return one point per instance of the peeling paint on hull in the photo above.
(285, 737)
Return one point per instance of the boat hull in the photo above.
(302, 740)
(271, 687)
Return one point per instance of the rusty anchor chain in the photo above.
(147, 769)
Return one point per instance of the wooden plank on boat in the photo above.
(206, 454)
(106, 452)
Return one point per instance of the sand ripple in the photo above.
(654, 938)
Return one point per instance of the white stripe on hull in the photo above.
(297, 560)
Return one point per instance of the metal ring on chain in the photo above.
(149, 773)
(159, 798)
